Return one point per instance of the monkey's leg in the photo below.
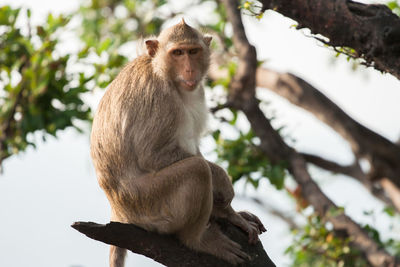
(174, 199)
(182, 201)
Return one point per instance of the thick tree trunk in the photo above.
(166, 249)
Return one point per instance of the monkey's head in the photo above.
(181, 54)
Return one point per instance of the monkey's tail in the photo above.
(117, 256)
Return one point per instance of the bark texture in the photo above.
(373, 31)
(166, 249)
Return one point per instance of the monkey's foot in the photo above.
(219, 245)
(249, 223)
(253, 219)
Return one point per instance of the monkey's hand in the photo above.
(249, 223)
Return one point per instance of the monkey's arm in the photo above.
(222, 196)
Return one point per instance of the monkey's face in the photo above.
(180, 54)
(188, 65)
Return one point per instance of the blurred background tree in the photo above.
(43, 89)
(38, 93)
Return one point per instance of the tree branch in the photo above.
(383, 155)
(392, 191)
(166, 249)
(373, 31)
(309, 98)
(242, 87)
(354, 170)
(277, 150)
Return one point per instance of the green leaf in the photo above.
(104, 45)
(373, 233)
(392, 5)
(335, 211)
(216, 134)
(8, 16)
(389, 210)
(277, 176)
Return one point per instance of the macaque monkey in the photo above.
(145, 148)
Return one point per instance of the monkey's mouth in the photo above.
(191, 84)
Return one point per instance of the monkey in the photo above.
(145, 149)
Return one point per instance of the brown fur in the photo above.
(144, 146)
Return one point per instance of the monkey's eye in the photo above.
(193, 51)
(177, 52)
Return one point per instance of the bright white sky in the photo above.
(45, 190)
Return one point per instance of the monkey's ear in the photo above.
(152, 46)
(207, 40)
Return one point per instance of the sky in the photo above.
(43, 191)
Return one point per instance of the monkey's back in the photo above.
(133, 123)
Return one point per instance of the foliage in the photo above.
(394, 6)
(38, 93)
(246, 160)
(391, 245)
(317, 245)
(108, 25)
(252, 8)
